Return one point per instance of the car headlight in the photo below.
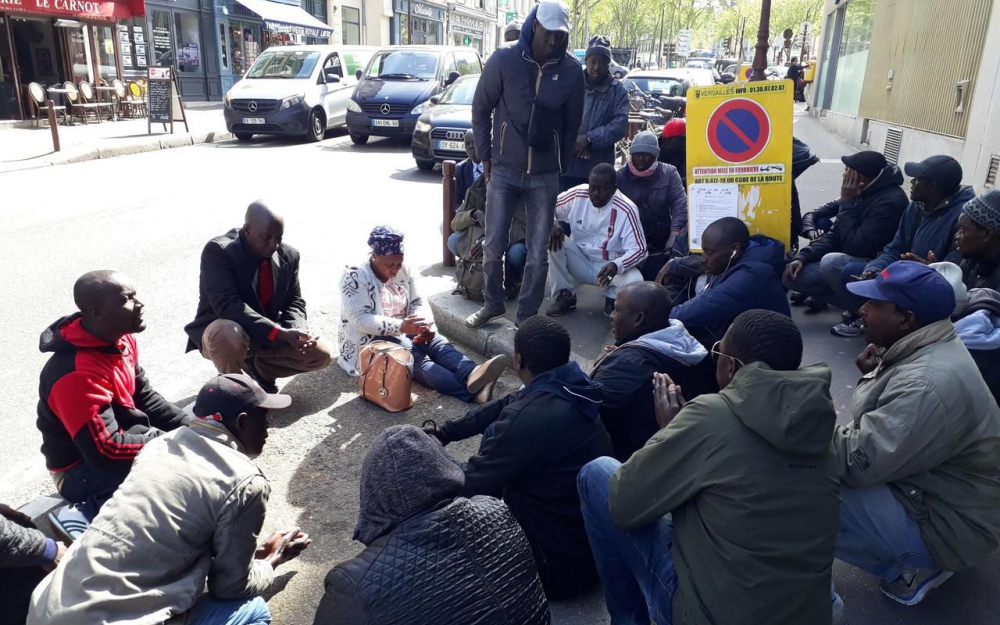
(291, 101)
(422, 126)
(353, 106)
(421, 108)
(228, 100)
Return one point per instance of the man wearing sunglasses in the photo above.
(728, 514)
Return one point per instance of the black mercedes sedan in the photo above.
(440, 131)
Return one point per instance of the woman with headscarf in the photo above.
(431, 557)
(379, 301)
(658, 193)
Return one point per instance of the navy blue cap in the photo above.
(944, 171)
(910, 286)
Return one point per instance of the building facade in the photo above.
(913, 78)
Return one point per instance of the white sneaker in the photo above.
(839, 612)
(912, 586)
(68, 523)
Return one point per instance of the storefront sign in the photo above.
(464, 24)
(739, 153)
(91, 9)
(294, 29)
(421, 10)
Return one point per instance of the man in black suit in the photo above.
(251, 315)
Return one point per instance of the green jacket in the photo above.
(926, 424)
(750, 477)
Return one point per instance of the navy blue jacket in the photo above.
(753, 281)
(661, 201)
(935, 232)
(526, 116)
(464, 178)
(605, 120)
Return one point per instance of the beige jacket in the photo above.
(926, 424)
(190, 511)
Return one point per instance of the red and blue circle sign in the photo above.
(748, 72)
(738, 130)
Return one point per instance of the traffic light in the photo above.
(669, 49)
(727, 43)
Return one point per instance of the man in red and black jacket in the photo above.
(96, 406)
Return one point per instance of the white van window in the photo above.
(334, 62)
(284, 64)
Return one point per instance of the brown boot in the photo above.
(485, 374)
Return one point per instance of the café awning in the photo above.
(285, 18)
(80, 9)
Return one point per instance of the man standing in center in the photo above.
(525, 115)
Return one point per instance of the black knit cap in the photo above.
(867, 163)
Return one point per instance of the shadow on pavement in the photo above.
(311, 393)
(417, 175)
(375, 145)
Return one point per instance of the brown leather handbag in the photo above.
(386, 375)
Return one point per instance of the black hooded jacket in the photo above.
(864, 226)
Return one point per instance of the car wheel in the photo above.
(243, 136)
(425, 165)
(359, 139)
(317, 126)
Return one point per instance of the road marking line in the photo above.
(350, 440)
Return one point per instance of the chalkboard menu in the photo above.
(158, 92)
(163, 99)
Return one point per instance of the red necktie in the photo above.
(265, 282)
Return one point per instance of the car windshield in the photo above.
(658, 86)
(284, 64)
(403, 65)
(460, 93)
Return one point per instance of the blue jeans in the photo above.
(91, 487)
(438, 365)
(514, 258)
(209, 611)
(837, 269)
(539, 192)
(636, 566)
(877, 536)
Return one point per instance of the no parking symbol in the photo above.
(738, 130)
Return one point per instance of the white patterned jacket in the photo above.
(361, 316)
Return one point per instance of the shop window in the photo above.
(163, 39)
(223, 41)
(244, 44)
(134, 46)
(106, 52)
(351, 20)
(188, 42)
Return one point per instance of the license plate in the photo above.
(391, 123)
(253, 120)
(457, 146)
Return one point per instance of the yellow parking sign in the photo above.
(739, 157)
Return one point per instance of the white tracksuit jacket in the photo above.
(610, 233)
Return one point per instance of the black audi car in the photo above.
(440, 131)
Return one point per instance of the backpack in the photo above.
(469, 279)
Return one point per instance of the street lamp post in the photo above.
(760, 50)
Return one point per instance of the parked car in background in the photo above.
(295, 91)
(395, 89)
(776, 72)
(440, 132)
(656, 83)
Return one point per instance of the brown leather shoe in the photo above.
(485, 374)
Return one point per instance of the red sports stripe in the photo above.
(611, 232)
(568, 196)
(106, 445)
(634, 258)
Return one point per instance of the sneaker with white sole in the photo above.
(68, 523)
(912, 586)
(849, 329)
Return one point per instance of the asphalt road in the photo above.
(150, 215)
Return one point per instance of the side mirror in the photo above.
(358, 74)
(435, 99)
(452, 77)
(330, 74)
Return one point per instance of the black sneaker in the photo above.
(609, 307)
(796, 298)
(814, 305)
(564, 302)
(269, 386)
(483, 316)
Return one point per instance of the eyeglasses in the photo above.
(716, 354)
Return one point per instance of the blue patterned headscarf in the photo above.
(385, 241)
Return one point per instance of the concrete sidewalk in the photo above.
(29, 148)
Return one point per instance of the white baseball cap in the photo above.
(553, 15)
(953, 274)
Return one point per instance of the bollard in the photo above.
(53, 126)
(447, 205)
